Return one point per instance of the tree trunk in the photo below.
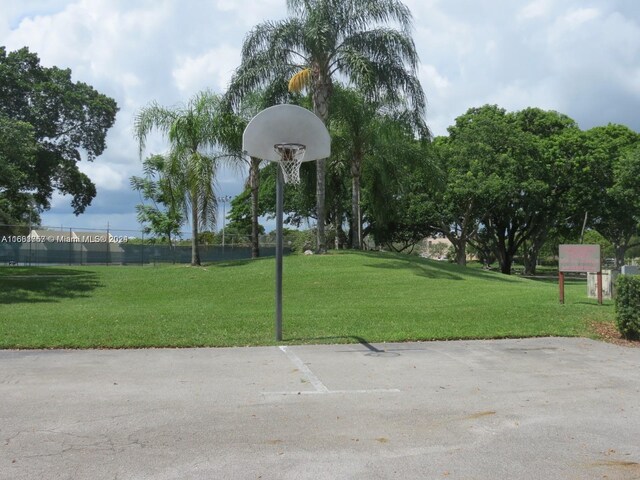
(340, 239)
(532, 252)
(461, 251)
(254, 183)
(621, 250)
(320, 205)
(321, 94)
(356, 221)
(505, 261)
(530, 262)
(459, 246)
(195, 252)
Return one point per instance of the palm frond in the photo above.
(300, 80)
(383, 45)
(389, 79)
(149, 118)
(364, 13)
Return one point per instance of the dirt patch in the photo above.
(480, 415)
(608, 332)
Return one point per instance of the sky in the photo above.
(578, 57)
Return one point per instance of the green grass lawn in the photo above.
(335, 298)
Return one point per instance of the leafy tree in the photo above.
(615, 160)
(18, 150)
(356, 125)
(299, 204)
(593, 237)
(163, 211)
(395, 185)
(47, 123)
(198, 134)
(325, 38)
(507, 181)
(510, 180)
(251, 105)
(450, 205)
(241, 213)
(562, 208)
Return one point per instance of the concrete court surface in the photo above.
(546, 408)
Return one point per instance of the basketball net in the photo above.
(291, 155)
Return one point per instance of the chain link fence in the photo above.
(42, 245)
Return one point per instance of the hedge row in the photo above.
(628, 306)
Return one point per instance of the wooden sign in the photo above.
(580, 258)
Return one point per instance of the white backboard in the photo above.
(286, 124)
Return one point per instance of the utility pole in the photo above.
(224, 199)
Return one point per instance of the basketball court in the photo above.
(526, 409)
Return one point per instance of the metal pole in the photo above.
(584, 225)
(224, 199)
(279, 242)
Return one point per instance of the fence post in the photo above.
(108, 245)
(70, 248)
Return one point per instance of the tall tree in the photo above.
(325, 38)
(162, 209)
(47, 123)
(561, 172)
(511, 183)
(613, 160)
(18, 150)
(451, 203)
(395, 181)
(356, 125)
(198, 133)
(251, 105)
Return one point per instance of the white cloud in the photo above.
(579, 57)
(248, 13)
(535, 9)
(577, 17)
(214, 67)
(430, 76)
(105, 176)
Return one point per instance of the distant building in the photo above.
(68, 246)
(439, 248)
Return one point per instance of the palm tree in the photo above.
(197, 138)
(325, 38)
(161, 211)
(360, 125)
(252, 104)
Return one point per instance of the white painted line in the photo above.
(306, 371)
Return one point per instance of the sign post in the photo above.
(581, 259)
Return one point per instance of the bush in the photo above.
(301, 240)
(628, 306)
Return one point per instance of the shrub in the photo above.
(301, 240)
(628, 306)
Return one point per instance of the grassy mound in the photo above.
(335, 298)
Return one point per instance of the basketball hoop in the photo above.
(291, 157)
(289, 135)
